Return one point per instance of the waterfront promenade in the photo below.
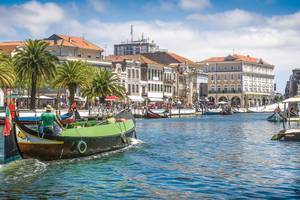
(192, 158)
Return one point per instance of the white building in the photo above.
(243, 80)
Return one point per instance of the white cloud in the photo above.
(194, 4)
(286, 21)
(32, 16)
(228, 19)
(98, 5)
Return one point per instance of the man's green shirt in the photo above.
(48, 119)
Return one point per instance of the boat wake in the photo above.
(28, 170)
(134, 143)
(21, 170)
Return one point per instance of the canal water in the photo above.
(190, 158)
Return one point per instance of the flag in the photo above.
(7, 123)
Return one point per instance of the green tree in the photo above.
(71, 75)
(35, 62)
(7, 73)
(104, 83)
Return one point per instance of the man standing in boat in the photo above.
(48, 118)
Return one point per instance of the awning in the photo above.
(111, 98)
(155, 99)
(136, 98)
(292, 99)
(40, 97)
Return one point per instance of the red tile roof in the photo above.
(8, 47)
(245, 58)
(77, 42)
(214, 59)
(234, 57)
(181, 59)
(70, 41)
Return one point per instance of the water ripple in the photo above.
(209, 157)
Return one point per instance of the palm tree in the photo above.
(104, 83)
(72, 74)
(7, 73)
(35, 62)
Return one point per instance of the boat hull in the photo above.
(288, 135)
(31, 146)
(80, 140)
(151, 115)
(66, 148)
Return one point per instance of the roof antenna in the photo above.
(131, 32)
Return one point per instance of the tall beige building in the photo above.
(243, 80)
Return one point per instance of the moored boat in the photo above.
(287, 135)
(289, 115)
(275, 117)
(223, 108)
(78, 139)
(151, 115)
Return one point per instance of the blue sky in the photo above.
(268, 29)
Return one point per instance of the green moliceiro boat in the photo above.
(78, 140)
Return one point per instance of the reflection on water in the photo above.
(192, 158)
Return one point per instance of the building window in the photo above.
(148, 74)
(137, 89)
(231, 68)
(133, 76)
(137, 74)
(239, 89)
(232, 88)
(133, 88)
(232, 77)
(239, 76)
(128, 73)
(219, 88)
(129, 89)
(212, 77)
